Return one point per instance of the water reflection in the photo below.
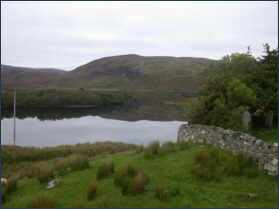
(32, 132)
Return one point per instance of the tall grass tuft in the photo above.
(138, 182)
(204, 165)
(159, 191)
(166, 148)
(41, 201)
(4, 194)
(11, 185)
(45, 172)
(91, 190)
(151, 150)
(104, 203)
(78, 162)
(174, 190)
(236, 164)
(183, 145)
(62, 167)
(139, 150)
(123, 171)
(105, 168)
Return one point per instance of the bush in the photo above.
(104, 169)
(236, 164)
(174, 190)
(78, 162)
(41, 201)
(104, 203)
(159, 191)
(91, 190)
(183, 145)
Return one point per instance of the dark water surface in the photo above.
(137, 123)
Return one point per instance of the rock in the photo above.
(275, 145)
(274, 162)
(246, 120)
(269, 119)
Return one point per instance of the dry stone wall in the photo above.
(259, 152)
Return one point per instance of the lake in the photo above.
(137, 123)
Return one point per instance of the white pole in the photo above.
(14, 117)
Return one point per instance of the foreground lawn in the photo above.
(228, 192)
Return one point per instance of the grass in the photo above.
(269, 136)
(91, 190)
(41, 201)
(172, 169)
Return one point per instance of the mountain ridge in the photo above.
(129, 71)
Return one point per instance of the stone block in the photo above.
(269, 119)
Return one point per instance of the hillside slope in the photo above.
(137, 72)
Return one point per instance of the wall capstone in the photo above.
(261, 153)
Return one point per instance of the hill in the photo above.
(23, 77)
(137, 72)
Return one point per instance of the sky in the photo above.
(66, 35)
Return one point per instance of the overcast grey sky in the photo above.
(66, 35)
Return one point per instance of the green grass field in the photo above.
(172, 169)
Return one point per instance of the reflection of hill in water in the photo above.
(128, 112)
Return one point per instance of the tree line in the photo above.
(234, 84)
(60, 98)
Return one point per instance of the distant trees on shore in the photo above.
(60, 98)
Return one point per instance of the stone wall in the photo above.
(259, 152)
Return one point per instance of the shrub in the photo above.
(104, 169)
(91, 190)
(104, 203)
(236, 164)
(78, 162)
(41, 201)
(138, 182)
(174, 190)
(159, 191)
(183, 145)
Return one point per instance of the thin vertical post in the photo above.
(14, 117)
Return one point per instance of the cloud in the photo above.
(69, 34)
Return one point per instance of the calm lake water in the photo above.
(138, 123)
(33, 132)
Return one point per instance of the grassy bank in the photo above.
(168, 179)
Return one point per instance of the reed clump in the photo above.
(78, 162)
(130, 179)
(174, 190)
(41, 201)
(105, 168)
(42, 171)
(236, 164)
(204, 165)
(91, 190)
(166, 148)
(151, 150)
(159, 191)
